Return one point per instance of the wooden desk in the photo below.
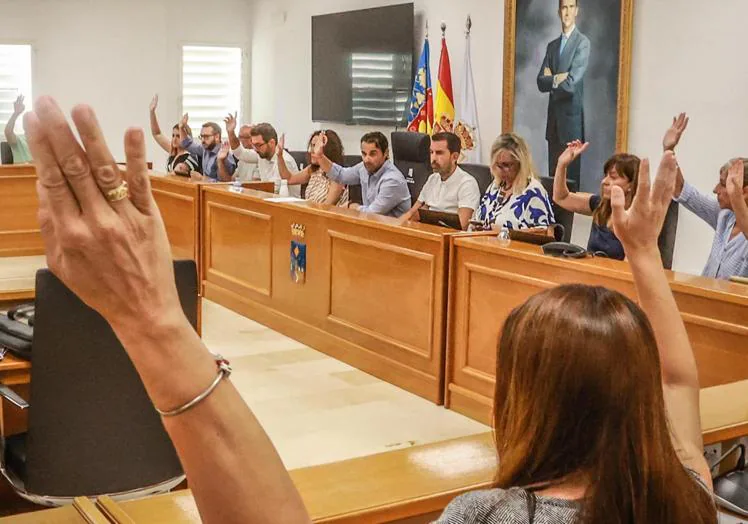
(178, 199)
(488, 281)
(412, 485)
(375, 292)
(19, 227)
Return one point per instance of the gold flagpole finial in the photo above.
(444, 29)
(468, 24)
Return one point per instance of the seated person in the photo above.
(245, 171)
(383, 187)
(207, 150)
(620, 170)
(727, 214)
(515, 199)
(17, 143)
(180, 161)
(264, 153)
(319, 187)
(449, 189)
(596, 411)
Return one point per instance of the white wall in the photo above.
(282, 60)
(114, 54)
(685, 58)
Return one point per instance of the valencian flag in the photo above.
(444, 107)
(421, 112)
(467, 109)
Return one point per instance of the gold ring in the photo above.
(118, 193)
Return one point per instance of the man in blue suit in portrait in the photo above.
(562, 76)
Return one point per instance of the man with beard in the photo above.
(264, 142)
(207, 150)
(383, 187)
(449, 189)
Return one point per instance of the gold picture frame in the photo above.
(624, 70)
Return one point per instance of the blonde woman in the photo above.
(515, 199)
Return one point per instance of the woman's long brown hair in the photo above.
(579, 398)
(627, 166)
(333, 149)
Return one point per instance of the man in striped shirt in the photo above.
(727, 214)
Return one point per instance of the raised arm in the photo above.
(114, 254)
(638, 229)
(342, 175)
(738, 192)
(18, 109)
(223, 171)
(574, 202)
(160, 139)
(230, 122)
(285, 173)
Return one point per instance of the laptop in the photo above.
(440, 218)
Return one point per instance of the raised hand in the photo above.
(573, 150)
(735, 181)
(230, 122)
(105, 241)
(184, 122)
(18, 105)
(638, 227)
(223, 153)
(154, 103)
(281, 145)
(675, 132)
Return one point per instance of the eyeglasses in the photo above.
(505, 166)
(258, 146)
(205, 137)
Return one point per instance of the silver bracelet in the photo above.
(224, 370)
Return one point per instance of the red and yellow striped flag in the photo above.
(444, 105)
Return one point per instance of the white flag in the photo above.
(467, 110)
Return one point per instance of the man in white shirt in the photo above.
(449, 189)
(264, 143)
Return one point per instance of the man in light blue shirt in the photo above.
(208, 149)
(727, 214)
(383, 187)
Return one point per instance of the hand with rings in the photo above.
(103, 234)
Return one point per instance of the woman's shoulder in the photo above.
(501, 506)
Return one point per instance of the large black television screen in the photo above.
(362, 65)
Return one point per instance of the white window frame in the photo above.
(196, 124)
(25, 90)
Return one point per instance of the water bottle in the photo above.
(236, 185)
(503, 237)
(283, 191)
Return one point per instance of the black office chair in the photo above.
(563, 217)
(354, 192)
(92, 428)
(666, 240)
(410, 154)
(301, 158)
(6, 155)
(481, 173)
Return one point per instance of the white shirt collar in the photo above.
(568, 35)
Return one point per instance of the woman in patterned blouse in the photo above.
(319, 188)
(515, 199)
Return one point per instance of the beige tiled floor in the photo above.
(315, 408)
(18, 273)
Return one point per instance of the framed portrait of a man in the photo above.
(567, 69)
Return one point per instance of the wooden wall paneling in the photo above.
(19, 205)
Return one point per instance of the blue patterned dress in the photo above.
(532, 208)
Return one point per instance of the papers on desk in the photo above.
(284, 200)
